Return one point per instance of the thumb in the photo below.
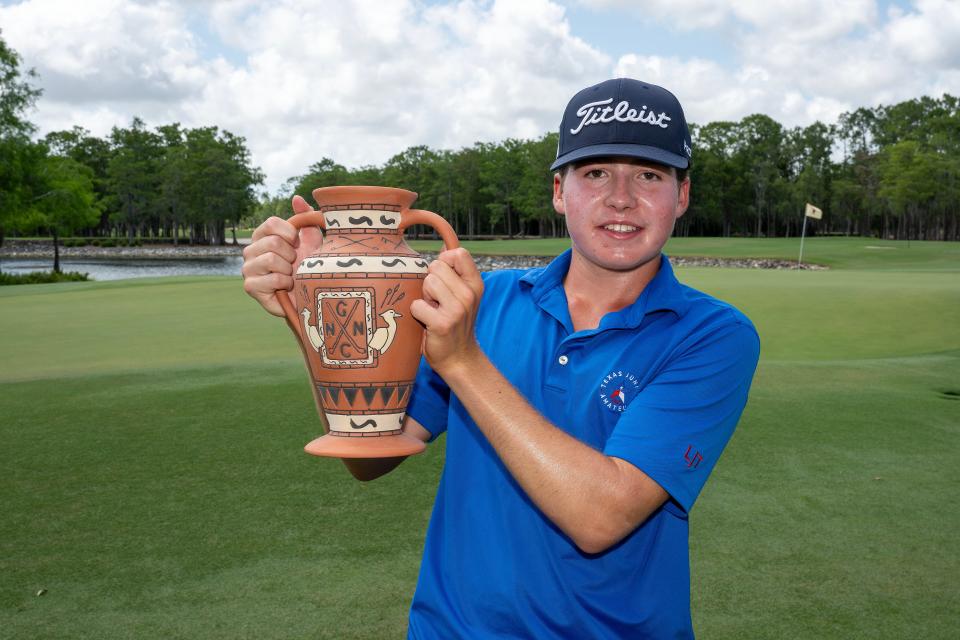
(311, 237)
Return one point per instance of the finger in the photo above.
(462, 262)
(310, 239)
(274, 226)
(425, 313)
(454, 283)
(265, 264)
(264, 289)
(270, 244)
(300, 205)
(449, 305)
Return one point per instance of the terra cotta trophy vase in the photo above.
(350, 309)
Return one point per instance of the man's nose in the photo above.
(620, 195)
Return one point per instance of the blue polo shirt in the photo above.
(660, 384)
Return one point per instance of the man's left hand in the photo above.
(451, 294)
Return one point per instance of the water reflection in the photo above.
(106, 269)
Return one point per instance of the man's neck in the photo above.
(593, 292)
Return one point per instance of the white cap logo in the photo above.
(591, 113)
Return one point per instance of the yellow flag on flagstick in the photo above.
(813, 212)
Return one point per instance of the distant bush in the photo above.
(76, 242)
(42, 277)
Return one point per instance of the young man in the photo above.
(585, 403)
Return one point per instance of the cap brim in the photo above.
(629, 150)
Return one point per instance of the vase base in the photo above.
(392, 446)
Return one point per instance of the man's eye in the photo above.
(595, 173)
(649, 175)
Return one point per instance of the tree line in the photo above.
(169, 182)
(888, 171)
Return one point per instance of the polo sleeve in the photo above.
(678, 425)
(429, 400)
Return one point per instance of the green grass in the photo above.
(154, 483)
(843, 253)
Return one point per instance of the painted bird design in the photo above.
(383, 337)
(312, 333)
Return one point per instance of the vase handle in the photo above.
(303, 216)
(419, 216)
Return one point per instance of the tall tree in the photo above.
(68, 202)
(134, 176)
(500, 172)
(20, 157)
(762, 138)
(219, 182)
(909, 184)
(90, 151)
(534, 191)
(721, 194)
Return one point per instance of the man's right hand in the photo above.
(269, 260)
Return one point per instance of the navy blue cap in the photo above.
(624, 117)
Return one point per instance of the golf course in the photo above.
(153, 481)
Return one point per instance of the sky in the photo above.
(361, 80)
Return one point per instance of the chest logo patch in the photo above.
(618, 389)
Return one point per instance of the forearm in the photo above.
(595, 499)
(591, 497)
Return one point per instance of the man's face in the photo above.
(620, 211)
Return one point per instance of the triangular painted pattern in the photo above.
(351, 395)
(334, 394)
(369, 393)
(386, 393)
(404, 390)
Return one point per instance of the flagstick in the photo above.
(803, 233)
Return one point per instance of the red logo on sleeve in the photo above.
(692, 457)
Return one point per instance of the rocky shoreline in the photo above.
(44, 249)
(41, 249)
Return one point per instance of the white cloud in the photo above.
(818, 18)
(356, 81)
(679, 14)
(803, 61)
(108, 50)
(930, 36)
(361, 80)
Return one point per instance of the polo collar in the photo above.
(663, 293)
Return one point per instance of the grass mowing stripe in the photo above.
(832, 513)
(165, 493)
(208, 321)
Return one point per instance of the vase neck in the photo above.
(368, 218)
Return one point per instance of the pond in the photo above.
(119, 269)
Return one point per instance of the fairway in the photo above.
(154, 483)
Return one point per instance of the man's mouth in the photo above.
(620, 228)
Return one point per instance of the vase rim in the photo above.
(359, 194)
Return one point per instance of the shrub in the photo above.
(42, 277)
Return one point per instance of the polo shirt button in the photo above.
(563, 360)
